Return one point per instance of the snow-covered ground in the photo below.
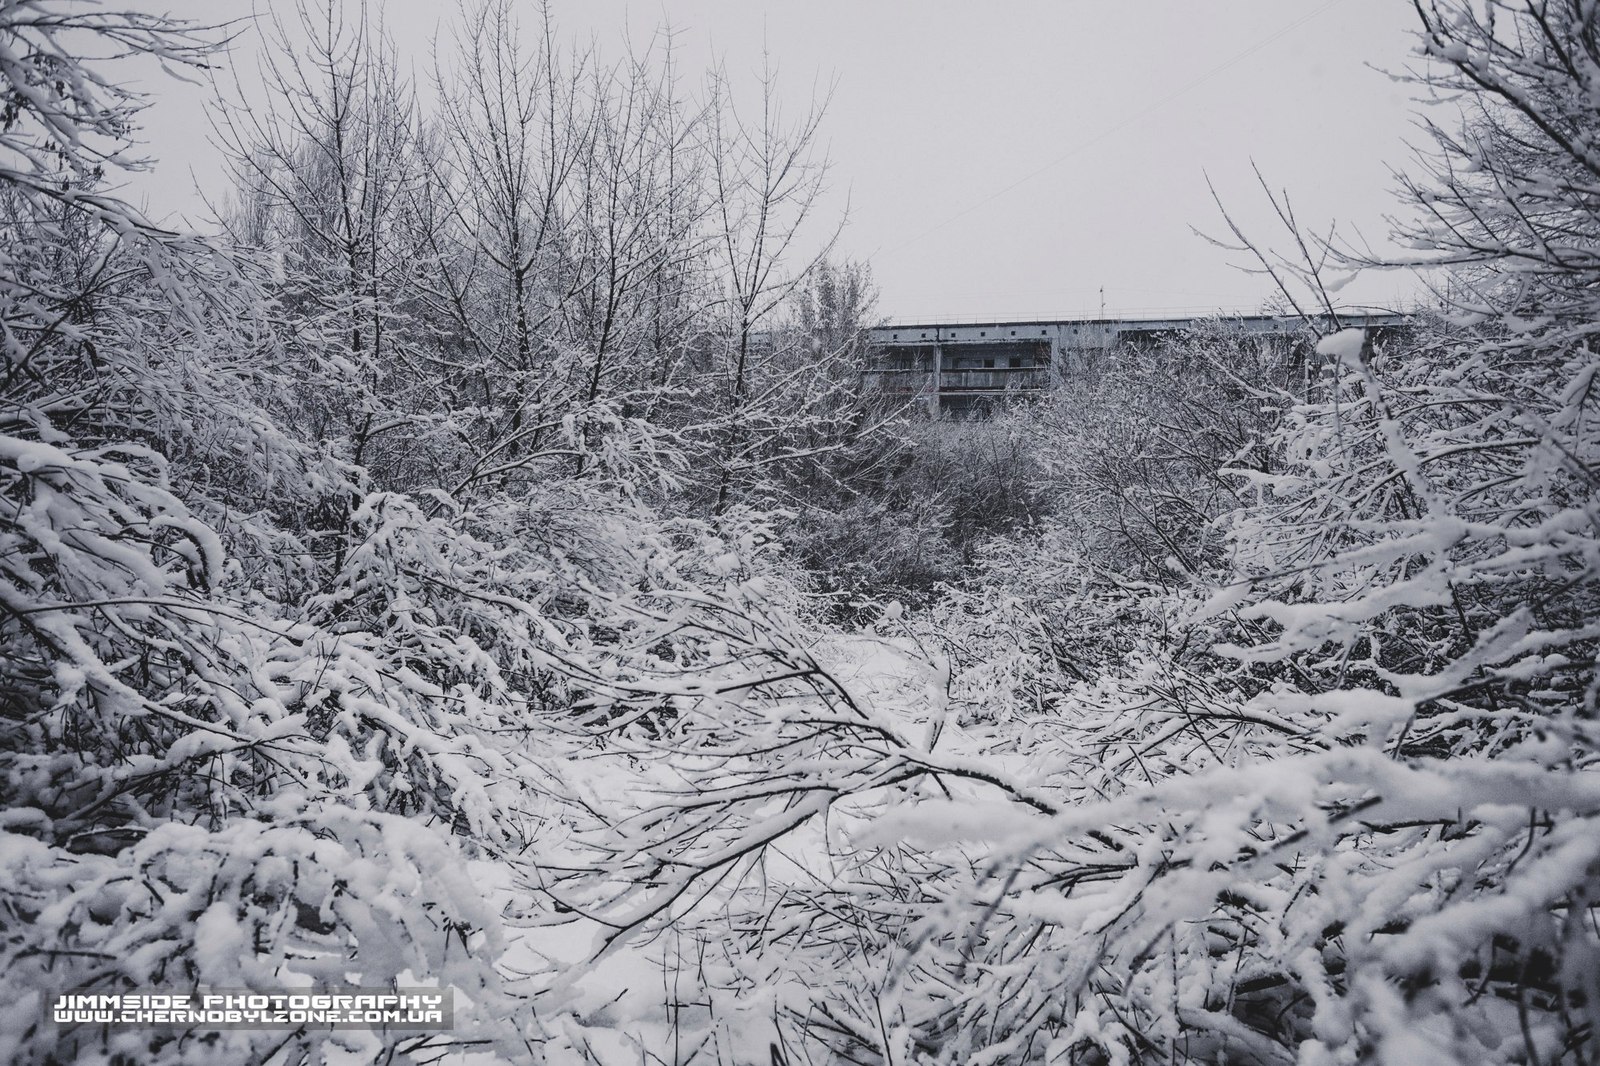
(644, 1000)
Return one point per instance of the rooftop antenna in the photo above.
(1102, 301)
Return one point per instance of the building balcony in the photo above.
(910, 381)
(1023, 379)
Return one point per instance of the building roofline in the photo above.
(1136, 318)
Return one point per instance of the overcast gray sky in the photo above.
(1014, 158)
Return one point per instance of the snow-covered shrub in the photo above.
(869, 546)
(206, 780)
(198, 784)
(1134, 449)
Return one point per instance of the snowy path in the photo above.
(611, 1012)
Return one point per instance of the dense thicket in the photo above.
(325, 541)
(1276, 742)
(400, 587)
(1296, 762)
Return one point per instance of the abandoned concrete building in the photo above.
(965, 369)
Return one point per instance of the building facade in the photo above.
(964, 369)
